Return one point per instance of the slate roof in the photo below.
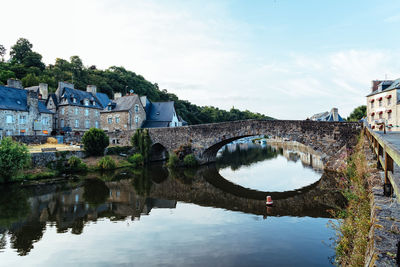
(122, 104)
(330, 118)
(100, 100)
(394, 85)
(16, 99)
(161, 111)
(155, 124)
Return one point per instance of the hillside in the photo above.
(27, 65)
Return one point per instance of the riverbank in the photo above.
(370, 226)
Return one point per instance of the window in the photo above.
(136, 120)
(389, 101)
(97, 113)
(62, 123)
(380, 115)
(109, 107)
(136, 108)
(389, 115)
(86, 102)
(380, 103)
(62, 111)
(9, 119)
(74, 100)
(87, 112)
(117, 120)
(76, 123)
(87, 124)
(45, 121)
(96, 124)
(372, 105)
(176, 124)
(9, 132)
(22, 119)
(76, 111)
(109, 120)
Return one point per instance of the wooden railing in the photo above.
(387, 154)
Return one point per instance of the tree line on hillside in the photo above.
(26, 65)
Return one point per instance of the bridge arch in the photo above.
(158, 152)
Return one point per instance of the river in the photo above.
(214, 215)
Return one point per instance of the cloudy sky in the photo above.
(285, 58)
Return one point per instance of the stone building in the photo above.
(161, 114)
(383, 105)
(22, 112)
(76, 110)
(123, 113)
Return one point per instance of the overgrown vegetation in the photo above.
(355, 221)
(95, 141)
(190, 160)
(116, 150)
(27, 65)
(173, 161)
(75, 164)
(136, 160)
(13, 158)
(142, 143)
(106, 163)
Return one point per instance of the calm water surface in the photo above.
(212, 216)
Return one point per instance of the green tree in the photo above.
(13, 158)
(30, 80)
(95, 141)
(358, 113)
(2, 52)
(20, 50)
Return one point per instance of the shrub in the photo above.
(51, 140)
(95, 141)
(116, 150)
(173, 161)
(76, 164)
(106, 163)
(13, 157)
(190, 160)
(136, 160)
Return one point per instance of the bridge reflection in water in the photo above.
(26, 211)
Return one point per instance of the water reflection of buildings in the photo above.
(74, 207)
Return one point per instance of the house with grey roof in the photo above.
(76, 110)
(22, 112)
(161, 114)
(123, 113)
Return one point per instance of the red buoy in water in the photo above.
(269, 200)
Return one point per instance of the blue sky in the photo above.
(286, 59)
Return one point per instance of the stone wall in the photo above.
(44, 158)
(42, 139)
(76, 117)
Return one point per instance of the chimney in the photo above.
(44, 90)
(375, 85)
(14, 83)
(32, 100)
(335, 114)
(117, 95)
(91, 89)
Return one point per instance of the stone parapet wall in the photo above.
(44, 158)
(42, 139)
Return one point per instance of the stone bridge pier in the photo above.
(328, 139)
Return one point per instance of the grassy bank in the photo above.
(354, 221)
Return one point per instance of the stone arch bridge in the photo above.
(325, 138)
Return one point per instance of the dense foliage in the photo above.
(136, 160)
(190, 160)
(358, 113)
(13, 158)
(95, 141)
(142, 143)
(106, 163)
(27, 65)
(75, 164)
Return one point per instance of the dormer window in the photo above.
(157, 113)
(74, 100)
(109, 108)
(136, 108)
(86, 102)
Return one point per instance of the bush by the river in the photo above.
(13, 158)
(136, 160)
(75, 164)
(190, 160)
(116, 150)
(106, 163)
(173, 161)
(95, 141)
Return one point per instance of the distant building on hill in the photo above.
(333, 115)
(383, 105)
